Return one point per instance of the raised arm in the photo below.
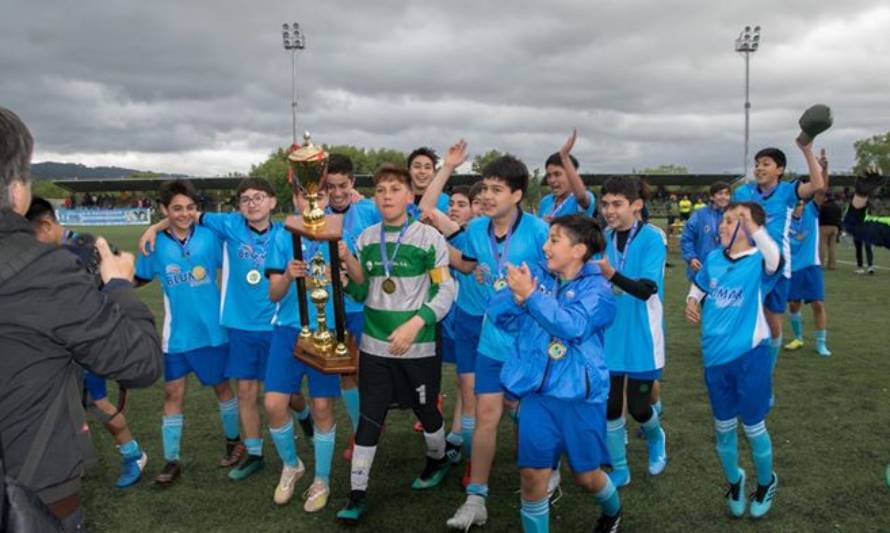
(575, 181)
(455, 157)
(805, 191)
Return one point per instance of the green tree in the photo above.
(274, 169)
(874, 151)
(145, 174)
(481, 160)
(367, 161)
(665, 169)
(48, 189)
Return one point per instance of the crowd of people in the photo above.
(553, 317)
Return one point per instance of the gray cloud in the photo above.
(205, 86)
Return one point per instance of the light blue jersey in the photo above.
(471, 295)
(358, 216)
(529, 233)
(187, 274)
(635, 340)
(549, 207)
(287, 310)
(779, 205)
(804, 238)
(245, 298)
(733, 322)
(441, 205)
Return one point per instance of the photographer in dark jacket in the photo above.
(53, 323)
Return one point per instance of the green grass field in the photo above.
(830, 431)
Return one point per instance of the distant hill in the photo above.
(54, 170)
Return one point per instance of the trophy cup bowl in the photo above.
(310, 164)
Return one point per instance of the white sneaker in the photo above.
(554, 492)
(871, 270)
(289, 477)
(859, 270)
(316, 496)
(471, 513)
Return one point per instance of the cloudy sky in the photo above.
(203, 87)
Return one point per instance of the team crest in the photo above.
(707, 229)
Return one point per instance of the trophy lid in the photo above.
(308, 152)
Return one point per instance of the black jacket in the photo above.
(53, 323)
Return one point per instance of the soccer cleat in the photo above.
(452, 451)
(795, 344)
(763, 497)
(234, 451)
(735, 496)
(433, 473)
(608, 524)
(657, 454)
(471, 513)
(131, 470)
(308, 427)
(169, 474)
(289, 477)
(823, 350)
(347, 453)
(554, 490)
(465, 479)
(316, 496)
(249, 466)
(871, 270)
(620, 477)
(859, 270)
(356, 506)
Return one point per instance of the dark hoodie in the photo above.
(53, 323)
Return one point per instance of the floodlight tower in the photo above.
(747, 43)
(293, 40)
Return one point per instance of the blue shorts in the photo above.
(208, 363)
(467, 329)
(448, 355)
(488, 375)
(355, 324)
(284, 372)
(649, 375)
(549, 427)
(807, 285)
(94, 385)
(741, 387)
(778, 297)
(248, 353)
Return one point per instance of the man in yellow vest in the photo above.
(685, 206)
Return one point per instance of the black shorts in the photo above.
(386, 382)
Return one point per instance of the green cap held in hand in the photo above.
(814, 121)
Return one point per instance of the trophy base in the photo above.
(327, 361)
(330, 229)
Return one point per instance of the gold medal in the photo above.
(556, 350)
(254, 277)
(199, 273)
(500, 284)
(389, 286)
(616, 290)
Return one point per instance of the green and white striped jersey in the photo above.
(423, 252)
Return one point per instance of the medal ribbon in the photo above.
(558, 206)
(387, 261)
(622, 257)
(184, 245)
(500, 259)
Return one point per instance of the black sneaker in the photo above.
(453, 452)
(355, 507)
(308, 427)
(235, 450)
(433, 473)
(171, 472)
(608, 524)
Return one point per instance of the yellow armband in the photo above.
(440, 274)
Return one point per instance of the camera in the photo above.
(83, 245)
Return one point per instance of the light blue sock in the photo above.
(728, 448)
(608, 498)
(455, 439)
(821, 338)
(652, 427)
(615, 444)
(171, 435)
(797, 326)
(478, 489)
(283, 437)
(228, 413)
(658, 408)
(761, 451)
(467, 427)
(535, 516)
(255, 446)
(350, 399)
(324, 452)
(130, 449)
(775, 346)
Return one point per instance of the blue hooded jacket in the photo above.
(701, 235)
(576, 313)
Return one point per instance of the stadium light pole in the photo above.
(293, 40)
(747, 43)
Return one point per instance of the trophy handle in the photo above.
(339, 308)
(301, 283)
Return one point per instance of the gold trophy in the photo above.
(326, 351)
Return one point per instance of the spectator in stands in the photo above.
(685, 207)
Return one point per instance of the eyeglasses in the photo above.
(253, 200)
